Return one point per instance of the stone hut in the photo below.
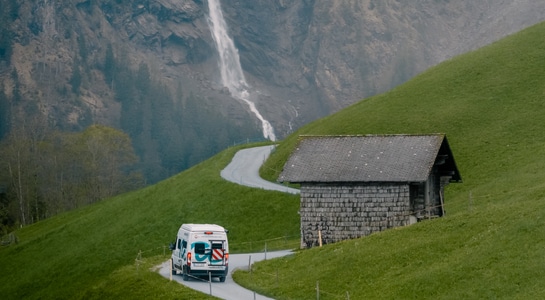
(352, 186)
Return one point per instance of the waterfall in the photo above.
(232, 75)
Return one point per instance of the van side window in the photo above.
(179, 244)
(184, 244)
(199, 248)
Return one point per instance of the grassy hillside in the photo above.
(91, 253)
(491, 105)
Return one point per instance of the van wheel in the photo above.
(173, 270)
(222, 278)
(184, 274)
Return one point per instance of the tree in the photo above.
(108, 159)
(109, 66)
(16, 98)
(4, 113)
(21, 155)
(8, 13)
(47, 172)
(75, 80)
(143, 79)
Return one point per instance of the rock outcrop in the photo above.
(305, 59)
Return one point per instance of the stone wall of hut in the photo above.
(337, 212)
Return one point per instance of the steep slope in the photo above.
(105, 251)
(322, 56)
(124, 64)
(306, 59)
(490, 105)
(490, 244)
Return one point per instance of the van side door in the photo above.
(178, 253)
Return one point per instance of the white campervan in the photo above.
(200, 250)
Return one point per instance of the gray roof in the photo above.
(370, 158)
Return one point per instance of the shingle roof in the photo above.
(370, 158)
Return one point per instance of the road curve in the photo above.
(228, 290)
(244, 170)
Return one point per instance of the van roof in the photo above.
(203, 227)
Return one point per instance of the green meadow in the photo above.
(491, 105)
(491, 244)
(108, 250)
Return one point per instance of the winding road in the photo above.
(244, 170)
(228, 290)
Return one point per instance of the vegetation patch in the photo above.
(490, 105)
(70, 255)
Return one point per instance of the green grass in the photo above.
(488, 253)
(490, 103)
(135, 280)
(74, 254)
(491, 244)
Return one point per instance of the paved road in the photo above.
(229, 289)
(244, 170)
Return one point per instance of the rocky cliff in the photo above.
(305, 59)
(325, 55)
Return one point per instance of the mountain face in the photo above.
(325, 55)
(144, 66)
